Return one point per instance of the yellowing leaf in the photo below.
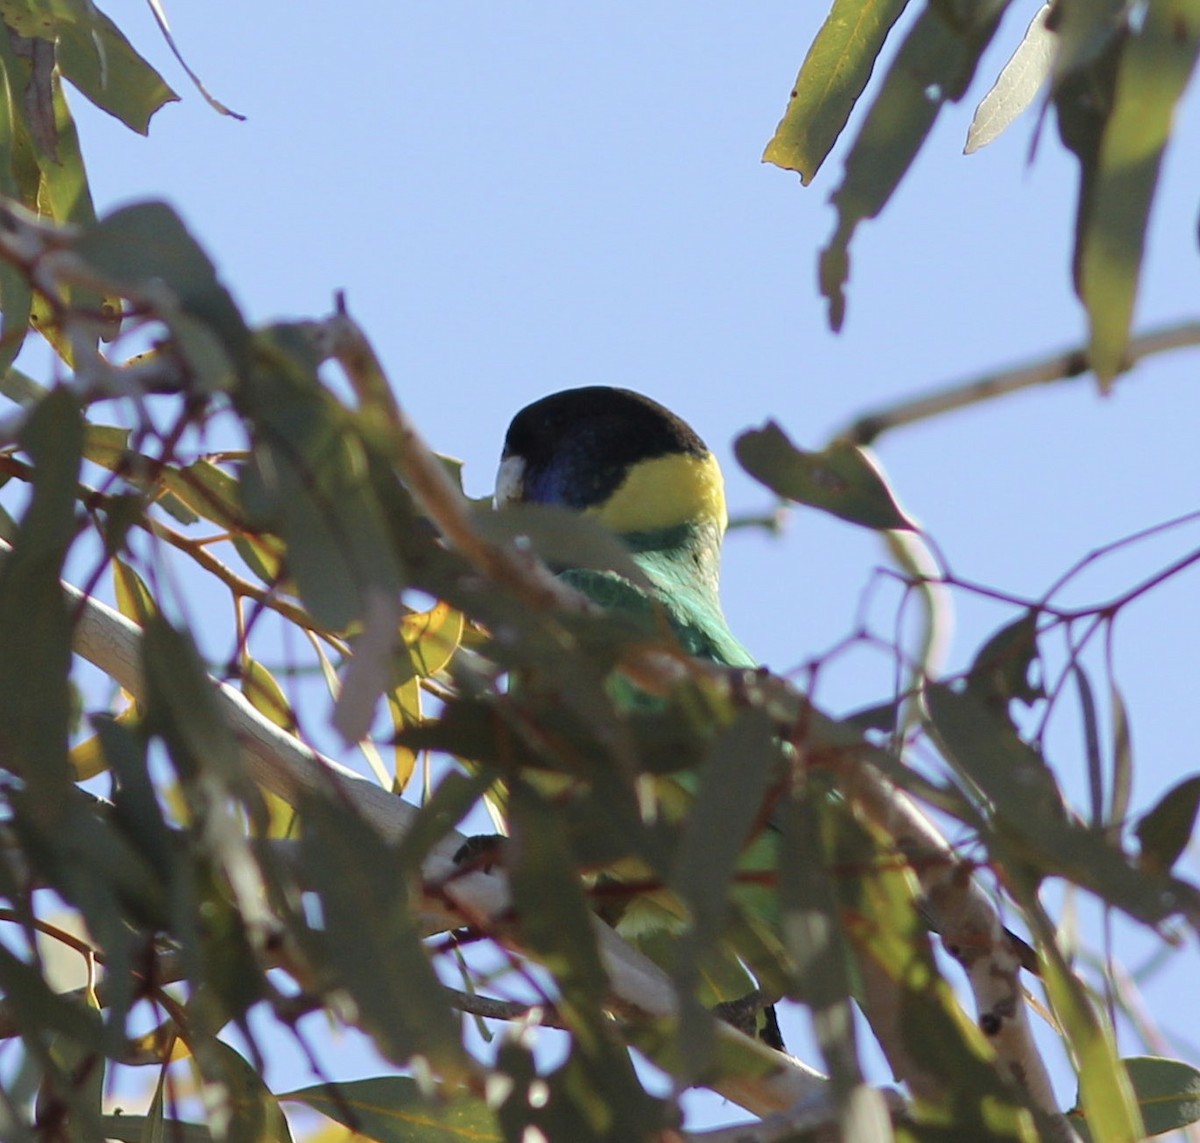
(87, 757)
(134, 600)
(432, 637)
(405, 706)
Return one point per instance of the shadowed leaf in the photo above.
(840, 479)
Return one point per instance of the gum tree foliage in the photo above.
(168, 830)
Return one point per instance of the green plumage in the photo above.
(632, 463)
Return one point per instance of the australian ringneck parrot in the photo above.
(643, 473)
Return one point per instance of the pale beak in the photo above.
(510, 481)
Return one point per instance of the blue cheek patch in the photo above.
(556, 485)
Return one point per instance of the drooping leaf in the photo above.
(97, 59)
(1122, 754)
(935, 64)
(841, 479)
(134, 599)
(1166, 829)
(834, 74)
(1083, 31)
(404, 706)
(367, 938)
(1017, 84)
(1105, 1093)
(881, 922)
(254, 1114)
(1091, 742)
(1029, 818)
(1155, 66)
(35, 628)
(812, 930)
(312, 480)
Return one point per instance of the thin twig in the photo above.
(1065, 365)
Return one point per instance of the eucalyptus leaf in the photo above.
(395, 1109)
(834, 74)
(840, 479)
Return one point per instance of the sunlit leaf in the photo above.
(97, 59)
(134, 599)
(394, 1109)
(404, 705)
(834, 74)
(1105, 1093)
(1016, 86)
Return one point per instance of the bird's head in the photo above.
(616, 455)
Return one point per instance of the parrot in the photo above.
(643, 473)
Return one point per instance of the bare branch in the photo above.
(1063, 366)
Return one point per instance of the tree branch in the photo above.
(1063, 366)
(286, 766)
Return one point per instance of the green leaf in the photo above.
(1091, 742)
(834, 74)
(1167, 1091)
(881, 921)
(97, 58)
(814, 937)
(1002, 668)
(145, 248)
(840, 479)
(367, 938)
(395, 1109)
(1084, 30)
(1029, 819)
(313, 480)
(1154, 69)
(729, 802)
(35, 626)
(1105, 1093)
(133, 1129)
(1122, 751)
(1166, 830)
(935, 63)
(560, 537)
(254, 1112)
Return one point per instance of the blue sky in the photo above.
(523, 198)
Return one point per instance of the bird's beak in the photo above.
(510, 481)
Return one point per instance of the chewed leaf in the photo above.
(1166, 830)
(1015, 87)
(841, 479)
